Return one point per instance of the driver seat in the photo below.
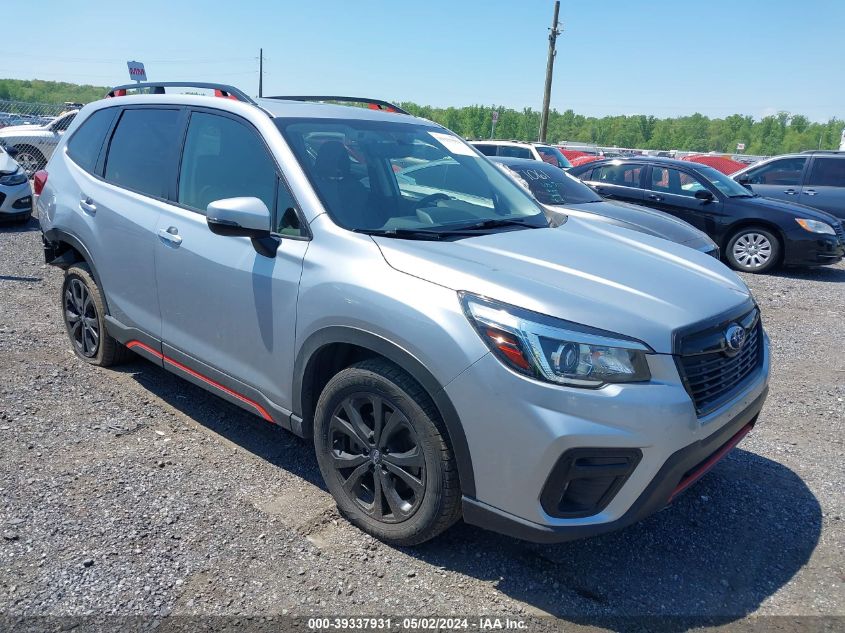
(345, 196)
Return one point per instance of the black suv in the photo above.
(755, 234)
(814, 178)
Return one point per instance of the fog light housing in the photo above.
(23, 203)
(585, 480)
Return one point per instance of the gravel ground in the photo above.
(132, 492)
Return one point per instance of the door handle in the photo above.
(87, 205)
(810, 192)
(170, 234)
(790, 192)
(655, 197)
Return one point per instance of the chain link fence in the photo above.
(32, 130)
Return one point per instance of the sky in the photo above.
(659, 57)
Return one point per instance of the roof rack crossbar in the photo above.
(376, 104)
(159, 86)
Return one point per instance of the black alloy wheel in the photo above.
(81, 318)
(376, 453)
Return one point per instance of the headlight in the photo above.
(12, 178)
(555, 350)
(814, 226)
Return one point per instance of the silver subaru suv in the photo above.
(450, 353)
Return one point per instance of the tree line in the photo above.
(778, 134)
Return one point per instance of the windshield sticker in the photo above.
(453, 144)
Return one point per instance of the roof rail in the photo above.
(220, 90)
(823, 151)
(373, 104)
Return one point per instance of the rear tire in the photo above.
(84, 314)
(393, 473)
(753, 250)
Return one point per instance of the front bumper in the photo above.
(519, 432)
(15, 202)
(809, 249)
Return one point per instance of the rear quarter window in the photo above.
(85, 144)
(142, 149)
(827, 172)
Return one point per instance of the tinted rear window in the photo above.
(84, 147)
(141, 152)
(827, 172)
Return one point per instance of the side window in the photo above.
(675, 182)
(785, 172)
(85, 144)
(486, 149)
(141, 151)
(587, 175)
(223, 158)
(514, 152)
(827, 172)
(64, 123)
(620, 175)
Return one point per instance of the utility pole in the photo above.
(260, 72)
(550, 65)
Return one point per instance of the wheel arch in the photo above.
(754, 222)
(68, 250)
(331, 349)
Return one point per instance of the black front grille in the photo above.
(2, 198)
(839, 227)
(711, 372)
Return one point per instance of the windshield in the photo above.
(553, 156)
(383, 176)
(723, 183)
(553, 186)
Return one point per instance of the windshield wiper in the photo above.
(492, 223)
(404, 234)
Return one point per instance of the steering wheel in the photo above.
(434, 197)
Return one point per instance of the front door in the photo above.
(229, 312)
(780, 179)
(673, 191)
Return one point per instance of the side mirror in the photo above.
(243, 217)
(11, 151)
(744, 180)
(240, 217)
(704, 194)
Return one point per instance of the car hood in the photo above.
(587, 272)
(18, 129)
(791, 208)
(644, 220)
(7, 163)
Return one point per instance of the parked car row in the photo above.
(15, 190)
(369, 280)
(35, 143)
(755, 234)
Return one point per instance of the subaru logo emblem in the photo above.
(735, 337)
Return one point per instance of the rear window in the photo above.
(486, 149)
(85, 144)
(141, 151)
(827, 172)
(514, 152)
(554, 186)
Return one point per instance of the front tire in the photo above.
(30, 159)
(753, 250)
(384, 454)
(84, 314)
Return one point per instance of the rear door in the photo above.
(228, 312)
(824, 187)
(124, 208)
(780, 179)
(619, 181)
